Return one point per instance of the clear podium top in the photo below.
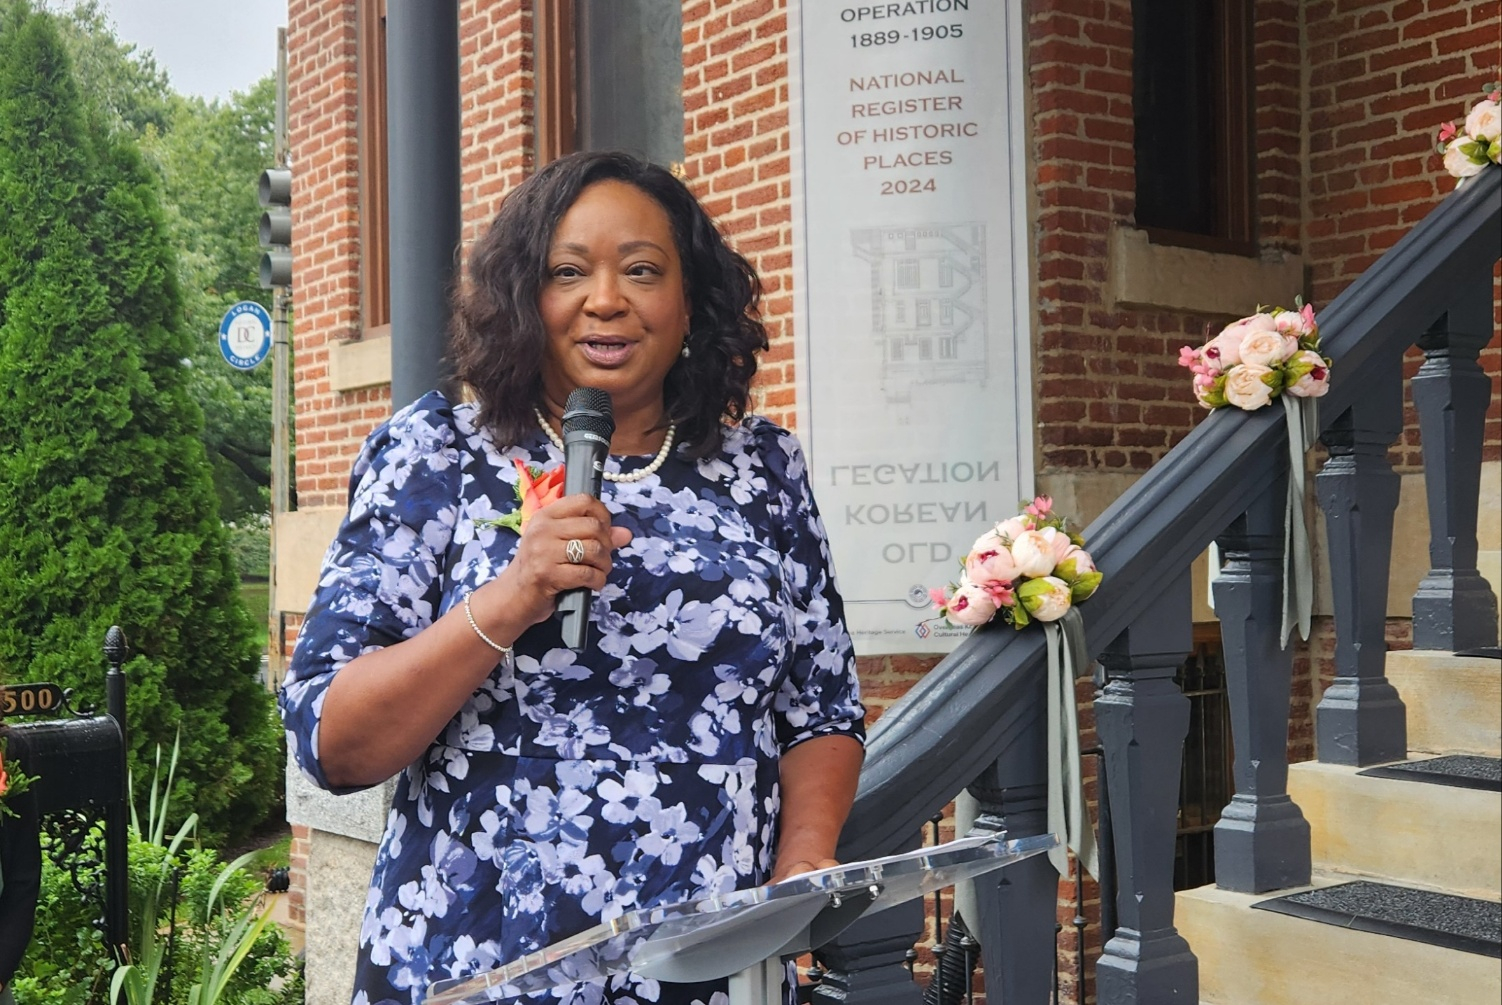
(720, 935)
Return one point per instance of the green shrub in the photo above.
(186, 907)
(67, 963)
(108, 513)
(250, 542)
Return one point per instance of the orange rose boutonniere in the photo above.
(534, 490)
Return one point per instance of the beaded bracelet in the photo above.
(503, 650)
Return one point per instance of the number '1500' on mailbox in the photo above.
(31, 699)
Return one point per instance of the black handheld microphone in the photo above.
(587, 427)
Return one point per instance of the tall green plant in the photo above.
(227, 933)
(219, 964)
(206, 156)
(200, 931)
(108, 513)
(137, 980)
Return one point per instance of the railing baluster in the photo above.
(1454, 607)
(1015, 907)
(1141, 718)
(866, 964)
(1361, 720)
(1262, 839)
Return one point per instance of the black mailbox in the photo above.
(77, 763)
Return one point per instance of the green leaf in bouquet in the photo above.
(1084, 586)
(1297, 371)
(1031, 588)
(1274, 379)
(1020, 618)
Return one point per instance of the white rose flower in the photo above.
(1296, 323)
(971, 605)
(989, 561)
(1265, 348)
(1458, 163)
(1316, 382)
(1224, 350)
(1485, 122)
(1046, 599)
(1075, 563)
(1011, 527)
(1245, 389)
(1032, 552)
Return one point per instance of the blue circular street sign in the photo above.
(245, 335)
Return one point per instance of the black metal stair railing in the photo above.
(975, 720)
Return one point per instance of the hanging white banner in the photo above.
(910, 293)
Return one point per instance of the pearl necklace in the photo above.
(611, 476)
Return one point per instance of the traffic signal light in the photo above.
(276, 227)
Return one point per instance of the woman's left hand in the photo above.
(818, 786)
(799, 867)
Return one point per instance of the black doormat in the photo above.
(1439, 919)
(1465, 771)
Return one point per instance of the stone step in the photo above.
(1412, 832)
(1454, 702)
(1258, 957)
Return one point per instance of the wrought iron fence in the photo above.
(1205, 782)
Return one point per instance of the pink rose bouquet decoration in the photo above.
(1028, 568)
(1472, 144)
(1256, 359)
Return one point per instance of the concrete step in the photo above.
(1454, 702)
(1254, 957)
(1411, 832)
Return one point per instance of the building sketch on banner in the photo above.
(928, 304)
(911, 293)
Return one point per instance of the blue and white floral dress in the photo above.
(572, 788)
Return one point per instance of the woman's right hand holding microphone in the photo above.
(566, 545)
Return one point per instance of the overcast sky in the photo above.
(207, 47)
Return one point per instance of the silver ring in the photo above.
(574, 551)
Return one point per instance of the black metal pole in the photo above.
(116, 841)
(422, 117)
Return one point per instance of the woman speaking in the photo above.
(709, 735)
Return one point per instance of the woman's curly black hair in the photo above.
(499, 341)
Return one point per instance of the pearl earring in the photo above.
(684, 351)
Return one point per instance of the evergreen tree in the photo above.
(207, 155)
(107, 509)
(208, 162)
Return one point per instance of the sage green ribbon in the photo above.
(1298, 560)
(1068, 815)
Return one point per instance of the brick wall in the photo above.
(497, 91)
(322, 125)
(736, 147)
(1382, 78)
(297, 876)
(1340, 186)
(1110, 393)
